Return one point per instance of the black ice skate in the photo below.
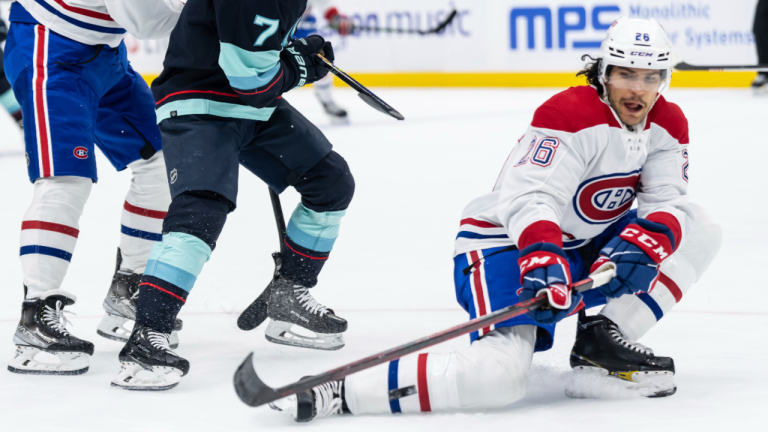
(120, 307)
(42, 328)
(601, 349)
(256, 313)
(320, 402)
(148, 363)
(291, 305)
(760, 83)
(337, 114)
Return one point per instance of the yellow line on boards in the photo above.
(691, 79)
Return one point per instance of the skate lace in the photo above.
(55, 318)
(626, 343)
(159, 340)
(328, 398)
(308, 302)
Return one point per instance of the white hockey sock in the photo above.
(49, 231)
(490, 373)
(636, 314)
(323, 88)
(143, 211)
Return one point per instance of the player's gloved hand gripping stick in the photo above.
(253, 392)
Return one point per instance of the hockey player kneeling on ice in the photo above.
(77, 91)
(219, 106)
(561, 210)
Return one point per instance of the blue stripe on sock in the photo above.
(394, 405)
(45, 250)
(652, 305)
(471, 235)
(314, 243)
(171, 274)
(146, 235)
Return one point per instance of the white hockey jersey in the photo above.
(580, 168)
(96, 22)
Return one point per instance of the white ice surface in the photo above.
(390, 275)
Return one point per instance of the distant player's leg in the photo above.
(299, 155)
(606, 342)
(59, 144)
(760, 29)
(201, 156)
(128, 135)
(492, 372)
(324, 93)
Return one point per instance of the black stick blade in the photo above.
(386, 109)
(444, 24)
(249, 387)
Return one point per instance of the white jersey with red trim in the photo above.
(105, 22)
(579, 167)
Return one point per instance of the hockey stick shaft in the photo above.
(683, 66)
(366, 95)
(277, 208)
(253, 392)
(440, 27)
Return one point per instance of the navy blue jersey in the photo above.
(224, 59)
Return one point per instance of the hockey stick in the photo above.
(683, 66)
(256, 312)
(366, 95)
(440, 27)
(253, 392)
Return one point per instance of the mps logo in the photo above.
(604, 199)
(81, 152)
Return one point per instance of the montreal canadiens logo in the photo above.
(604, 199)
(81, 152)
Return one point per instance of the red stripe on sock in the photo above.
(50, 226)
(154, 214)
(163, 290)
(421, 380)
(671, 286)
(305, 256)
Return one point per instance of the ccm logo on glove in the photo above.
(656, 245)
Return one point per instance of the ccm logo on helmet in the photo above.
(81, 152)
(641, 54)
(604, 199)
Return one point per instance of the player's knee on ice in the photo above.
(490, 373)
(636, 315)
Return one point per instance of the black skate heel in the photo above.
(602, 350)
(149, 351)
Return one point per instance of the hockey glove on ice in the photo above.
(637, 253)
(302, 65)
(544, 269)
(340, 23)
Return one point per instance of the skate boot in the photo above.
(120, 307)
(601, 350)
(760, 84)
(256, 313)
(148, 363)
(42, 328)
(290, 306)
(337, 114)
(320, 402)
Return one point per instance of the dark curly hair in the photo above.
(591, 72)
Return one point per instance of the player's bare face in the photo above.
(631, 92)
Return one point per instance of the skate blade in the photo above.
(281, 333)
(113, 327)
(70, 363)
(597, 383)
(134, 377)
(338, 120)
